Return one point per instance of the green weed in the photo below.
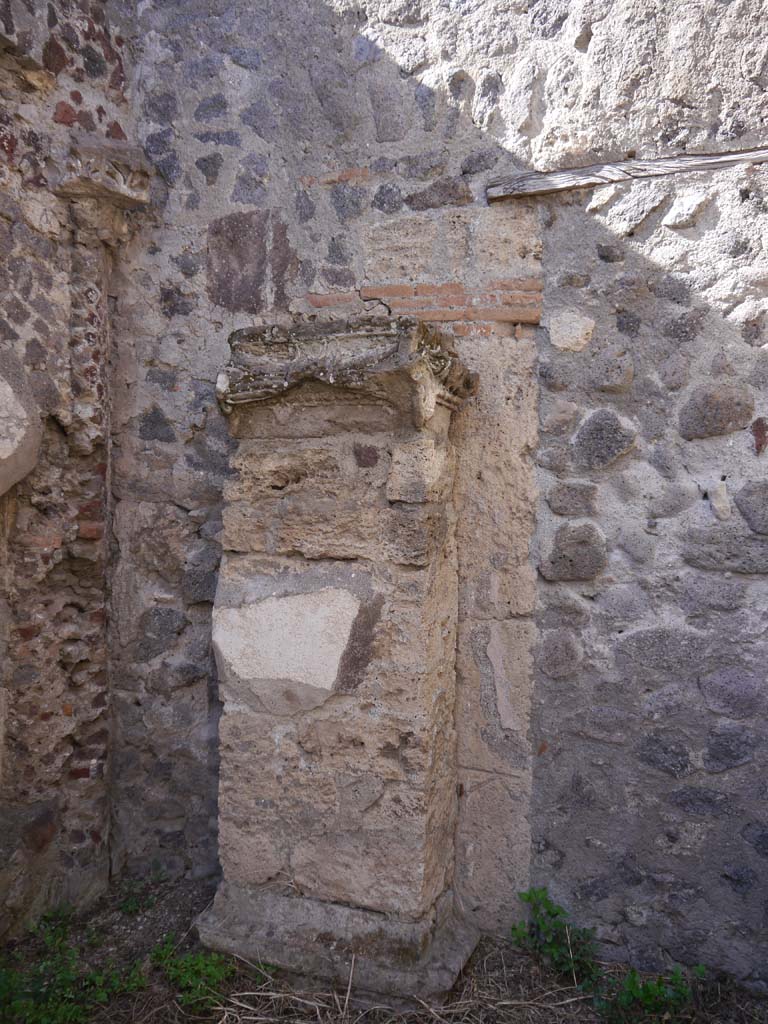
(58, 988)
(571, 952)
(197, 977)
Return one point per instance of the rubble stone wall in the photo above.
(61, 84)
(330, 159)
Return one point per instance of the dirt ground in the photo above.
(500, 985)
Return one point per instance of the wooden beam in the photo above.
(539, 183)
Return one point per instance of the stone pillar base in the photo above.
(317, 939)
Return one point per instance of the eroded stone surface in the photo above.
(338, 763)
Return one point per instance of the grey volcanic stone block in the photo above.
(723, 547)
(756, 834)
(667, 752)
(752, 502)
(658, 653)
(729, 746)
(601, 439)
(715, 409)
(560, 653)
(573, 498)
(733, 692)
(578, 553)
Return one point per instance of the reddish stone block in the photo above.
(333, 299)
(64, 113)
(115, 131)
(54, 56)
(90, 531)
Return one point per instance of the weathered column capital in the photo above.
(105, 183)
(403, 360)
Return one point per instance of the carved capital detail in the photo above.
(398, 360)
(117, 175)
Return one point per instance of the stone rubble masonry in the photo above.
(62, 213)
(330, 159)
(334, 627)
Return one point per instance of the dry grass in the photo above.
(499, 986)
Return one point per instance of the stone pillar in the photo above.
(335, 633)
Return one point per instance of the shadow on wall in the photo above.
(303, 168)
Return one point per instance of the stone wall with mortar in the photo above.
(303, 170)
(61, 84)
(330, 159)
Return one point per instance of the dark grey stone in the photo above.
(423, 165)
(733, 692)
(752, 502)
(244, 57)
(481, 160)
(425, 101)
(578, 553)
(338, 251)
(261, 117)
(685, 327)
(573, 498)
(609, 253)
(554, 376)
(158, 143)
(305, 207)
(211, 107)
(249, 188)
(227, 137)
(174, 302)
(716, 408)
(157, 631)
(443, 192)
(729, 746)
(161, 107)
(388, 199)
(612, 371)
(189, 263)
(666, 751)
(702, 593)
(209, 166)
(756, 834)
(155, 426)
(720, 546)
(701, 802)
(601, 440)
(628, 323)
(93, 62)
(739, 877)
(671, 288)
(560, 653)
(169, 167)
(657, 655)
(348, 201)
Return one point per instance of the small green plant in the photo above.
(58, 989)
(549, 934)
(571, 952)
(196, 976)
(137, 898)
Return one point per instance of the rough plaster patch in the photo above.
(13, 420)
(301, 638)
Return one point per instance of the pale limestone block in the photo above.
(20, 436)
(287, 650)
(419, 472)
(570, 331)
(685, 209)
(509, 652)
(720, 502)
